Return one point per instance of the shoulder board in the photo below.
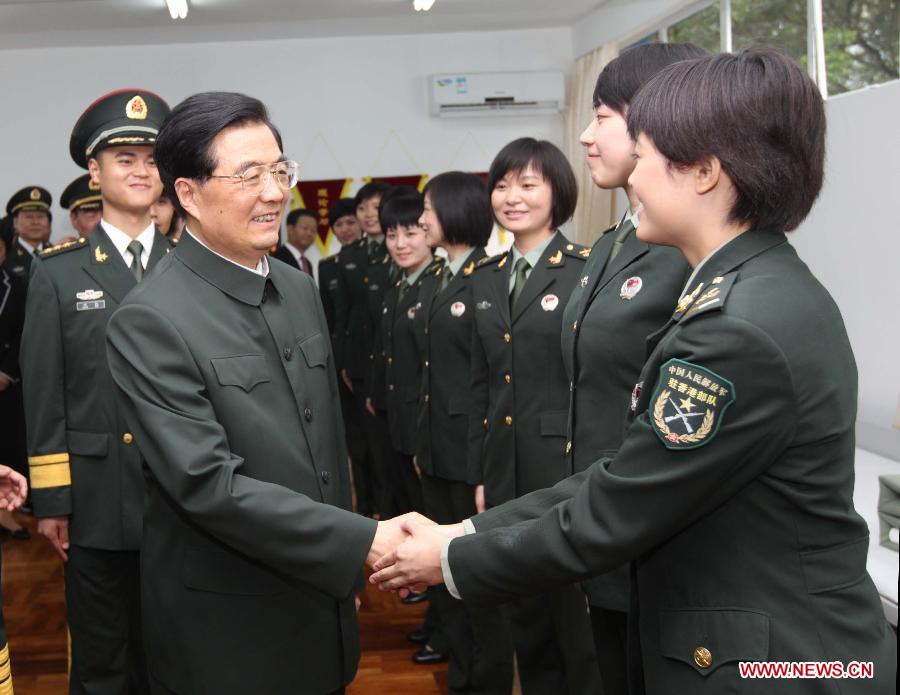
(173, 242)
(487, 260)
(576, 250)
(436, 266)
(711, 297)
(62, 248)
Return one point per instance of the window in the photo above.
(777, 24)
(701, 28)
(862, 42)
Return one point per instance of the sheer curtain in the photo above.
(596, 208)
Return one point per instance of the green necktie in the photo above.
(446, 277)
(404, 287)
(621, 235)
(137, 269)
(521, 268)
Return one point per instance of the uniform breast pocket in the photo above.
(241, 371)
(315, 350)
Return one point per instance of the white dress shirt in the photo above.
(121, 240)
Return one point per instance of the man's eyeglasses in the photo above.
(256, 178)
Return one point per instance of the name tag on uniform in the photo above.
(90, 306)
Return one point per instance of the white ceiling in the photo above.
(47, 23)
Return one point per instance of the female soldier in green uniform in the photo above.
(520, 390)
(732, 490)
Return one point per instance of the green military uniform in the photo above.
(19, 257)
(81, 194)
(328, 285)
(250, 561)
(6, 681)
(518, 437)
(364, 276)
(480, 646)
(731, 493)
(627, 292)
(82, 459)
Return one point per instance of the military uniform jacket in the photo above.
(604, 345)
(19, 260)
(250, 557)
(400, 360)
(745, 542)
(362, 281)
(444, 331)
(328, 287)
(12, 316)
(519, 387)
(81, 456)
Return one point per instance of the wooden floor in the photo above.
(36, 629)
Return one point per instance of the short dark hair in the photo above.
(758, 113)
(370, 190)
(462, 206)
(403, 210)
(342, 207)
(295, 215)
(184, 144)
(623, 76)
(547, 159)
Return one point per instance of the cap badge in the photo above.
(457, 309)
(136, 109)
(549, 302)
(93, 186)
(35, 194)
(631, 287)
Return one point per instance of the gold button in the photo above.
(702, 657)
(508, 419)
(574, 326)
(485, 423)
(427, 397)
(569, 247)
(365, 279)
(390, 387)
(427, 364)
(506, 337)
(571, 386)
(128, 437)
(390, 360)
(426, 330)
(507, 378)
(568, 447)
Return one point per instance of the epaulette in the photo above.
(576, 250)
(436, 266)
(487, 260)
(62, 248)
(705, 298)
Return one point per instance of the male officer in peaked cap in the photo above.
(29, 209)
(83, 201)
(85, 469)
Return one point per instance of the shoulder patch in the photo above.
(62, 248)
(688, 404)
(487, 260)
(708, 298)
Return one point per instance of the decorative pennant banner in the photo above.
(417, 181)
(318, 196)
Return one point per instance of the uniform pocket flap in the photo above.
(222, 572)
(836, 567)
(555, 423)
(315, 350)
(459, 406)
(243, 371)
(705, 639)
(87, 443)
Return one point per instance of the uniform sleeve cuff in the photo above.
(468, 526)
(445, 569)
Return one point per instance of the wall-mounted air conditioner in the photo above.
(496, 93)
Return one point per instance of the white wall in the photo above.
(851, 240)
(352, 106)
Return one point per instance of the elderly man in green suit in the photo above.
(251, 557)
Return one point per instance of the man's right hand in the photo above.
(56, 530)
(348, 382)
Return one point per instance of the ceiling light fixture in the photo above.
(178, 9)
(422, 5)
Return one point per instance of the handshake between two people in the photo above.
(406, 553)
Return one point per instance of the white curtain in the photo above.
(596, 208)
